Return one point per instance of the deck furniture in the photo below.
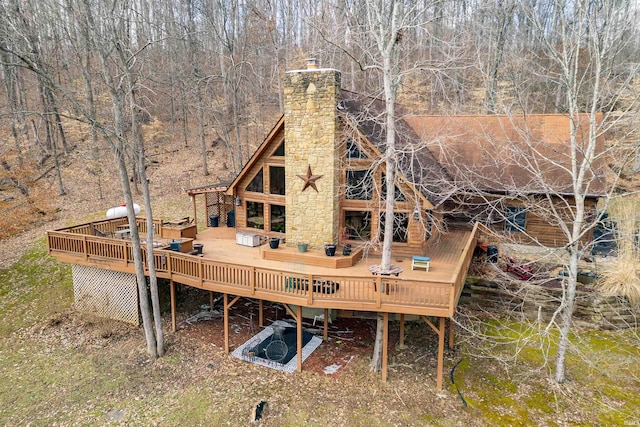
(122, 233)
(420, 262)
(394, 269)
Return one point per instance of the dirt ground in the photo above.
(195, 359)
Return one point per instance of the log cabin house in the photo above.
(318, 179)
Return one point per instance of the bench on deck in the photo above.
(420, 262)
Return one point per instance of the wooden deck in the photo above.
(243, 271)
(282, 275)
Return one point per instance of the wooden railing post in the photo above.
(378, 290)
(200, 271)
(310, 290)
(452, 298)
(84, 247)
(125, 250)
(252, 280)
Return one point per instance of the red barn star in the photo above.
(310, 179)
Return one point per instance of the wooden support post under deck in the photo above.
(299, 336)
(440, 331)
(227, 306)
(401, 345)
(172, 290)
(225, 300)
(451, 332)
(385, 345)
(260, 314)
(210, 300)
(326, 324)
(440, 352)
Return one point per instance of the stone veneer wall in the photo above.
(593, 310)
(311, 125)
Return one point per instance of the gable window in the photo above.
(277, 218)
(400, 226)
(515, 219)
(358, 185)
(398, 194)
(357, 225)
(255, 215)
(257, 183)
(276, 180)
(279, 151)
(353, 150)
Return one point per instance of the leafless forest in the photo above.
(82, 78)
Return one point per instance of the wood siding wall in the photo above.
(538, 228)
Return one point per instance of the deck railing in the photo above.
(377, 293)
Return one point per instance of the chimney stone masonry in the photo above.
(311, 153)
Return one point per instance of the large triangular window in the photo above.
(279, 151)
(397, 193)
(257, 183)
(354, 151)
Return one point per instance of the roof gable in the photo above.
(269, 144)
(417, 166)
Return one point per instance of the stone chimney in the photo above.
(311, 155)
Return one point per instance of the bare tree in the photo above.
(594, 33)
(113, 44)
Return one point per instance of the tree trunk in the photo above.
(138, 142)
(376, 360)
(118, 146)
(386, 22)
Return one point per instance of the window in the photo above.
(359, 185)
(515, 219)
(276, 180)
(400, 226)
(257, 183)
(357, 225)
(279, 151)
(353, 151)
(255, 215)
(277, 219)
(398, 194)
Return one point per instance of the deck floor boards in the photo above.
(220, 245)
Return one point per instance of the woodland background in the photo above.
(201, 81)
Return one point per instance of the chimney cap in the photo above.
(312, 64)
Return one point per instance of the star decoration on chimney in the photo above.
(310, 179)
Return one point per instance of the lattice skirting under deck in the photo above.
(106, 293)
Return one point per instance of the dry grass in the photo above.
(621, 277)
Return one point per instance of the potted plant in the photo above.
(330, 249)
(302, 247)
(274, 242)
(346, 249)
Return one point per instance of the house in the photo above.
(318, 178)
